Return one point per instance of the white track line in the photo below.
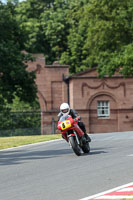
(130, 189)
(107, 191)
(115, 197)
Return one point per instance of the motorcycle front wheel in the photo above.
(75, 145)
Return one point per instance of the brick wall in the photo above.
(85, 90)
(52, 90)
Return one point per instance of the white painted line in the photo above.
(115, 197)
(28, 145)
(130, 155)
(107, 191)
(126, 189)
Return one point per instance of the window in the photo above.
(103, 109)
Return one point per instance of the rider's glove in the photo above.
(78, 118)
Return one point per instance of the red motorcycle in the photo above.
(72, 133)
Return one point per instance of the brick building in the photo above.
(105, 105)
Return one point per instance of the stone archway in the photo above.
(103, 124)
(42, 101)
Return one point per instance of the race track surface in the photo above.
(50, 171)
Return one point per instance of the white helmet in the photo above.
(64, 109)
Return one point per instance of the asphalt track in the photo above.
(50, 171)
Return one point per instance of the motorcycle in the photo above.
(73, 134)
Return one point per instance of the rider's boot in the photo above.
(85, 136)
(88, 139)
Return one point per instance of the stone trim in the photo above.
(99, 94)
(103, 84)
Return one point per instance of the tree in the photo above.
(101, 36)
(28, 16)
(81, 33)
(56, 28)
(74, 55)
(15, 80)
(46, 26)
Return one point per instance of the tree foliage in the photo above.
(46, 26)
(15, 80)
(101, 32)
(81, 33)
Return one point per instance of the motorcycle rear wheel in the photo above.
(75, 145)
(86, 148)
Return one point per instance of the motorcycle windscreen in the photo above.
(63, 118)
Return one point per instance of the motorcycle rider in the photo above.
(65, 110)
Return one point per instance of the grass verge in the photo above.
(7, 142)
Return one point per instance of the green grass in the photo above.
(7, 142)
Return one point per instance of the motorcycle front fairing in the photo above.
(67, 124)
(64, 125)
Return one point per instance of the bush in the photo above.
(20, 123)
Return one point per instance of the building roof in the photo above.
(91, 73)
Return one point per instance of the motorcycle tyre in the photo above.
(86, 148)
(75, 146)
